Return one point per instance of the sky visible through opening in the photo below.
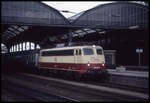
(74, 6)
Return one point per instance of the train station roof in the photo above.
(31, 13)
(27, 20)
(40, 23)
(115, 15)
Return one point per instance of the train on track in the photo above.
(74, 60)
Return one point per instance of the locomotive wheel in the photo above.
(77, 76)
(40, 71)
(70, 75)
(66, 75)
(53, 73)
(36, 71)
(47, 72)
(61, 73)
(50, 73)
(58, 73)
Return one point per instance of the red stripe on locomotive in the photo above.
(82, 68)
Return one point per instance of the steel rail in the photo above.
(90, 86)
(36, 94)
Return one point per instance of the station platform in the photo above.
(132, 73)
(129, 77)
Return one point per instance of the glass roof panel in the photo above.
(74, 35)
(11, 29)
(99, 29)
(91, 31)
(81, 33)
(10, 32)
(15, 26)
(24, 27)
(17, 32)
(86, 29)
(102, 32)
(78, 31)
(20, 29)
(72, 18)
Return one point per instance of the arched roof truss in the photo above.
(31, 13)
(118, 15)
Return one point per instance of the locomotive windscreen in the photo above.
(99, 51)
(88, 51)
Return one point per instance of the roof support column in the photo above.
(69, 37)
(35, 45)
(22, 46)
(106, 41)
(8, 49)
(29, 45)
(19, 47)
(25, 46)
(13, 48)
(109, 41)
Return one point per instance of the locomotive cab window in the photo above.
(99, 51)
(78, 52)
(88, 51)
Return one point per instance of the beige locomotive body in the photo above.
(76, 58)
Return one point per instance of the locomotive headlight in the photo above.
(103, 64)
(94, 46)
(88, 64)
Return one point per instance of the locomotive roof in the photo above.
(71, 47)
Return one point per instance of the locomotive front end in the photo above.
(95, 61)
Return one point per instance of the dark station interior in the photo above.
(117, 32)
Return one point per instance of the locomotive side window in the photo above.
(79, 51)
(88, 51)
(58, 53)
(66, 53)
(99, 51)
(76, 53)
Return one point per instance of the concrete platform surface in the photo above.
(143, 74)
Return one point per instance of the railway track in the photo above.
(96, 81)
(78, 91)
(13, 91)
(11, 94)
(118, 86)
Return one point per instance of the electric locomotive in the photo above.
(84, 60)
